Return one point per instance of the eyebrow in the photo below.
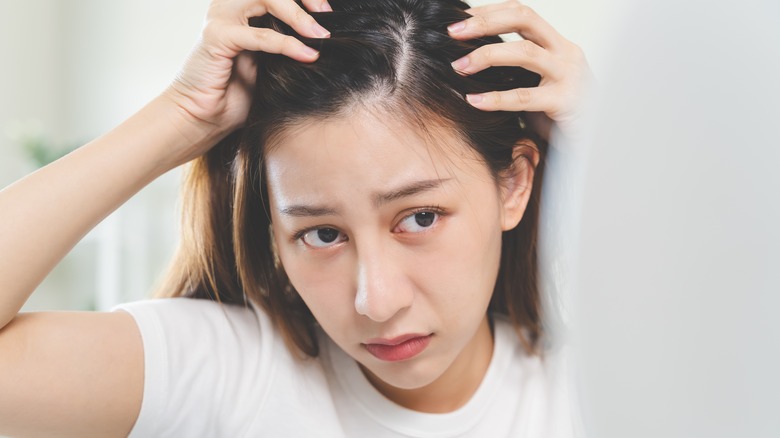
(405, 191)
(408, 190)
(308, 210)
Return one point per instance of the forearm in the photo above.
(46, 213)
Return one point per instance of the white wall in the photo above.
(121, 54)
(30, 87)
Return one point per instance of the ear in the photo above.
(517, 183)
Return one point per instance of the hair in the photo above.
(387, 55)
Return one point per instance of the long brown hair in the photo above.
(398, 54)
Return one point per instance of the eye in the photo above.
(418, 222)
(323, 237)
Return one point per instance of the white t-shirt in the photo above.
(215, 370)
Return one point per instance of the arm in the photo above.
(48, 212)
(82, 373)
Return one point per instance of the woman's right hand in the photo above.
(212, 93)
(561, 64)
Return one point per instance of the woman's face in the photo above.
(387, 238)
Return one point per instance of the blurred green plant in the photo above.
(42, 152)
(30, 136)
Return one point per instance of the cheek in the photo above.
(323, 285)
(461, 271)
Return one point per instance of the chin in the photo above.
(411, 374)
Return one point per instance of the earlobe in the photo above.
(517, 184)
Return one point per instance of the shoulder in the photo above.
(187, 308)
(550, 362)
(197, 317)
(185, 329)
(198, 356)
(546, 381)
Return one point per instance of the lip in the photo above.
(399, 348)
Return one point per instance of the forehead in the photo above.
(347, 156)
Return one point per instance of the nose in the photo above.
(381, 289)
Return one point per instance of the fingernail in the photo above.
(311, 53)
(457, 27)
(325, 7)
(320, 31)
(475, 98)
(461, 64)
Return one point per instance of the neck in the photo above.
(455, 387)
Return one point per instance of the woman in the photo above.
(362, 238)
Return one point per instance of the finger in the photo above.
(520, 19)
(519, 99)
(300, 20)
(523, 53)
(317, 5)
(267, 40)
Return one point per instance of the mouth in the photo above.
(399, 348)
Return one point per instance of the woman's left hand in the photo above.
(561, 64)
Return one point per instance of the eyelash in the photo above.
(440, 212)
(298, 235)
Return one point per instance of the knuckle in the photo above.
(219, 9)
(529, 49)
(302, 17)
(272, 41)
(523, 11)
(496, 98)
(483, 55)
(288, 44)
(213, 11)
(263, 34)
(522, 96)
(480, 22)
(315, 5)
(577, 54)
(529, 12)
(514, 4)
(211, 31)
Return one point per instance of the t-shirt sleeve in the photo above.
(202, 361)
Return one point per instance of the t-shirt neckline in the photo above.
(409, 422)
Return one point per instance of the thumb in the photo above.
(245, 70)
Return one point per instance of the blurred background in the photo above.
(74, 69)
(71, 71)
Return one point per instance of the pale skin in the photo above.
(85, 369)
